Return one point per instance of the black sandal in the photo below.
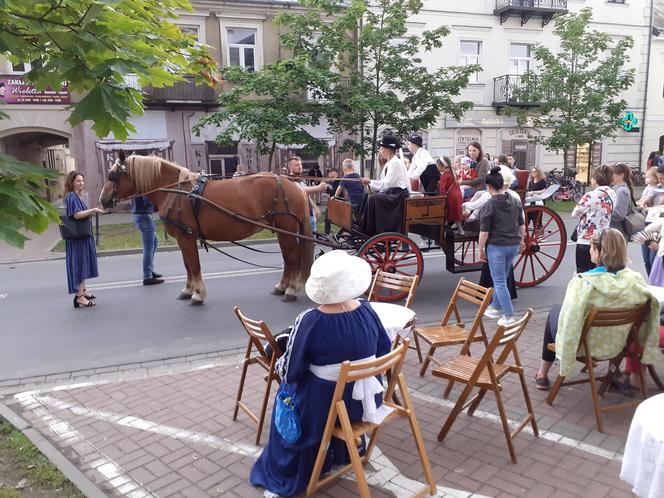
(77, 304)
(88, 296)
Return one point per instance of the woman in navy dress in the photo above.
(80, 255)
(341, 328)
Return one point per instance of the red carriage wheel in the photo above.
(466, 252)
(395, 253)
(546, 241)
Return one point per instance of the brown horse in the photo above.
(265, 198)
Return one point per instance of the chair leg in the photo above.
(554, 389)
(243, 376)
(593, 392)
(506, 426)
(419, 442)
(261, 419)
(425, 365)
(313, 486)
(448, 389)
(455, 412)
(355, 459)
(529, 405)
(476, 402)
(655, 377)
(417, 347)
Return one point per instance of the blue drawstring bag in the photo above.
(286, 418)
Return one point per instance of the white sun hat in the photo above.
(336, 277)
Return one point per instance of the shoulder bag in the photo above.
(634, 222)
(286, 417)
(73, 229)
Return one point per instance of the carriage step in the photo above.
(452, 268)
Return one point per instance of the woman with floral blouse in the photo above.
(594, 213)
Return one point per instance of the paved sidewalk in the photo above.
(170, 433)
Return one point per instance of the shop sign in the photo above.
(15, 90)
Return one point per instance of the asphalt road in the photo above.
(43, 334)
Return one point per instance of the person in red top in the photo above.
(449, 185)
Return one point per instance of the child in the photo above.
(354, 188)
(449, 185)
(467, 173)
(651, 193)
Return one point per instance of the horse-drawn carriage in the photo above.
(198, 210)
(397, 252)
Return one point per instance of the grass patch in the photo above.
(22, 461)
(561, 207)
(127, 236)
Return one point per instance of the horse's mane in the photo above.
(146, 171)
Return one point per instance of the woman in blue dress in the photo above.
(80, 255)
(341, 328)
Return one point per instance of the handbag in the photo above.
(286, 417)
(73, 229)
(634, 222)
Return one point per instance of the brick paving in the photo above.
(171, 434)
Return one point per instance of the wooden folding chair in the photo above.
(259, 333)
(606, 317)
(350, 432)
(486, 374)
(386, 284)
(447, 334)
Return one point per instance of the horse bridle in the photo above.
(114, 177)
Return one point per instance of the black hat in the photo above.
(390, 142)
(416, 139)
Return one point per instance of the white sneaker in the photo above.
(506, 320)
(492, 312)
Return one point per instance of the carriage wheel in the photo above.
(466, 252)
(546, 241)
(395, 253)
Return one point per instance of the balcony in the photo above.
(514, 91)
(528, 8)
(182, 93)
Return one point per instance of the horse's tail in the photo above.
(306, 245)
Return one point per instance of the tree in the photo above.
(578, 89)
(376, 79)
(269, 107)
(93, 45)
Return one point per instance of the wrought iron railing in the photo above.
(182, 91)
(535, 4)
(514, 89)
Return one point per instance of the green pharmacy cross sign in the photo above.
(629, 122)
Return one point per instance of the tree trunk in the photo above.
(565, 165)
(270, 156)
(374, 141)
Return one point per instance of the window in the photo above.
(615, 1)
(469, 54)
(520, 58)
(19, 67)
(242, 47)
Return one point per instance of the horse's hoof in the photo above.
(196, 302)
(184, 296)
(289, 298)
(278, 292)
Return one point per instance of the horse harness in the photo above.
(174, 208)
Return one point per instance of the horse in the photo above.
(264, 197)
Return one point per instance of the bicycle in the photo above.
(638, 177)
(567, 193)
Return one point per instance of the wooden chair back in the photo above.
(339, 425)
(386, 283)
(474, 294)
(259, 333)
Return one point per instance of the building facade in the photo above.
(499, 35)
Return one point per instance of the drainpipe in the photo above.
(645, 97)
(184, 138)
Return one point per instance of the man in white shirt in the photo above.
(383, 211)
(421, 157)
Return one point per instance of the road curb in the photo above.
(76, 476)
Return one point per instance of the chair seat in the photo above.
(462, 367)
(443, 335)
(361, 428)
(263, 361)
